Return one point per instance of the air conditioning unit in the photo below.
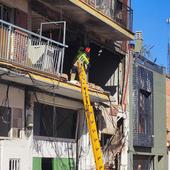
(15, 133)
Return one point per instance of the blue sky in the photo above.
(150, 18)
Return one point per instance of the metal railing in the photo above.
(115, 10)
(30, 50)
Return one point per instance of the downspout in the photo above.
(126, 80)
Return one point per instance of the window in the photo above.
(5, 120)
(142, 163)
(10, 121)
(14, 164)
(51, 121)
(143, 107)
(144, 115)
(5, 13)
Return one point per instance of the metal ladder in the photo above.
(91, 123)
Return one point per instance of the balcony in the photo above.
(31, 51)
(114, 10)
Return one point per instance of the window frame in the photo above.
(143, 159)
(144, 114)
(37, 137)
(11, 123)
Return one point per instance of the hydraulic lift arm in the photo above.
(91, 123)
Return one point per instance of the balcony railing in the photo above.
(30, 50)
(115, 10)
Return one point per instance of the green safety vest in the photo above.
(83, 57)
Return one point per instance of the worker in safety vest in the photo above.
(83, 56)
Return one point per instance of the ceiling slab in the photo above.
(94, 21)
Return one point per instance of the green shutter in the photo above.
(37, 163)
(63, 164)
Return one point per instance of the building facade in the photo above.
(147, 115)
(42, 119)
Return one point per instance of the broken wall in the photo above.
(106, 70)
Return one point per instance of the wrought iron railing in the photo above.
(30, 50)
(115, 10)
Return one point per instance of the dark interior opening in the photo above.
(46, 163)
(103, 66)
(70, 54)
(5, 121)
(74, 40)
(105, 140)
(120, 126)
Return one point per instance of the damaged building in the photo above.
(42, 120)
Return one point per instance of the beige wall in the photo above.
(20, 4)
(168, 107)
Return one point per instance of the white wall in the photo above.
(42, 148)
(124, 153)
(16, 149)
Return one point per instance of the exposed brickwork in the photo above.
(168, 108)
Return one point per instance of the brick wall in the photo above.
(168, 108)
